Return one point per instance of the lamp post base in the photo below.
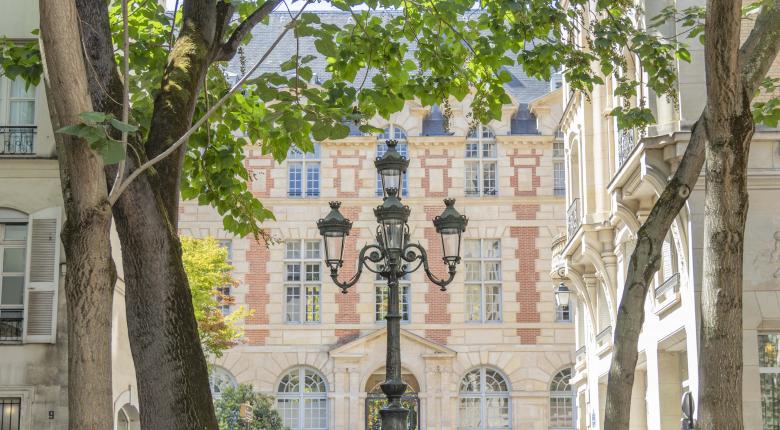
(394, 418)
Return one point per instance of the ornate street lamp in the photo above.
(392, 257)
(562, 295)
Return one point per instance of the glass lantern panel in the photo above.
(450, 241)
(393, 231)
(391, 178)
(334, 245)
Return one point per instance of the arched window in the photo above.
(561, 401)
(219, 379)
(392, 132)
(480, 167)
(484, 401)
(302, 400)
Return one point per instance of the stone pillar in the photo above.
(652, 395)
(638, 419)
(670, 389)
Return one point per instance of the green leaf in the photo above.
(123, 126)
(95, 117)
(112, 151)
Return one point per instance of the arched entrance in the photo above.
(375, 399)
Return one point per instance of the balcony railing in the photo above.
(17, 140)
(573, 218)
(671, 284)
(10, 329)
(626, 142)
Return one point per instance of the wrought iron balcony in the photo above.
(604, 341)
(17, 139)
(11, 329)
(626, 143)
(573, 218)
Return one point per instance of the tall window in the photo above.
(302, 265)
(561, 402)
(303, 172)
(17, 117)
(480, 168)
(402, 149)
(484, 401)
(769, 369)
(225, 290)
(559, 170)
(482, 262)
(381, 295)
(13, 242)
(302, 400)
(11, 414)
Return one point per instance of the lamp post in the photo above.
(562, 295)
(392, 256)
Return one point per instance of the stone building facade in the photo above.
(613, 178)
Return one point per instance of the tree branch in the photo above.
(227, 50)
(183, 139)
(120, 171)
(761, 47)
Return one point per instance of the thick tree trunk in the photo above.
(727, 117)
(90, 276)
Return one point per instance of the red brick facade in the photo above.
(257, 296)
(527, 274)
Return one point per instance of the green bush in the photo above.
(229, 405)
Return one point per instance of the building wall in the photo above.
(438, 346)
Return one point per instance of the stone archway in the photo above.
(375, 399)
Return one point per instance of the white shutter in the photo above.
(42, 277)
(667, 259)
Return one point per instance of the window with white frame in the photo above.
(303, 274)
(559, 178)
(220, 379)
(10, 413)
(13, 249)
(303, 172)
(482, 268)
(563, 312)
(484, 401)
(481, 165)
(769, 372)
(402, 148)
(562, 401)
(302, 401)
(17, 116)
(224, 291)
(381, 298)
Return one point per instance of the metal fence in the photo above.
(17, 140)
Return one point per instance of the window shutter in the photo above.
(667, 259)
(42, 277)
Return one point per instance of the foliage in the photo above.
(207, 270)
(228, 407)
(21, 60)
(95, 129)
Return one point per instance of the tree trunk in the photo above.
(90, 274)
(732, 80)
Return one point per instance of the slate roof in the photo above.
(522, 88)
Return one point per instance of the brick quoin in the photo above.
(516, 163)
(527, 275)
(346, 335)
(436, 299)
(426, 185)
(346, 304)
(438, 336)
(340, 168)
(257, 173)
(257, 298)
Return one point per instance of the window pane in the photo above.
(770, 400)
(559, 179)
(13, 260)
(312, 272)
(497, 412)
(293, 272)
(312, 303)
(405, 299)
(293, 304)
(21, 112)
(292, 250)
(492, 248)
(768, 350)
(295, 180)
(313, 250)
(494, 382)
(470, 413)
(315, 414)
(313, 180)
(288, 409)
(19, 90)
(472, 150)
(472, 273)
(489, 186)
(471, 382)
(15, 232)
(471, 174)
(471, 248)
(492, 271)
(489, 150)
(473, 302)
(492, 303)
(13, 290)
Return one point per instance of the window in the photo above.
(480, 168)
(484, 401)
(559, 178)
(10, 413)
(561, 401)
(303, 174)
(769, 370)
(402, 149)
(17, 117)
(13, 247)
(303, 269)
(302, 400)
(381, 296)
(219, 379)
(224, 297)
(482, 263)
(558, 151)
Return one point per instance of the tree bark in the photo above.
(90, 274)
(728, 105)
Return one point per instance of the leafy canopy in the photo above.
(264, 416)
(205, 262)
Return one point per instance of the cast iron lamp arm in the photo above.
(374, 257)
(409, 256)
